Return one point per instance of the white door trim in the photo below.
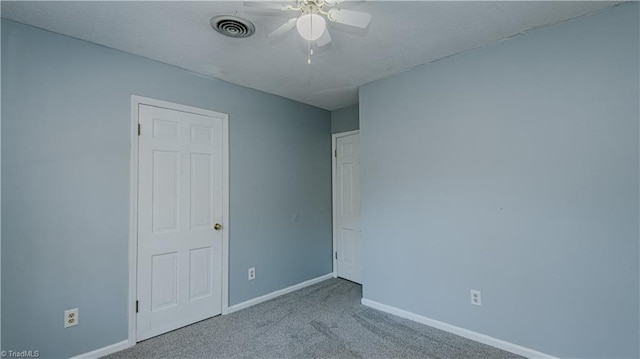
(334, 147)
(133, 202)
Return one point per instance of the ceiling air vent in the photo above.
(232, 26)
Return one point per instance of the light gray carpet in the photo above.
(325, 320)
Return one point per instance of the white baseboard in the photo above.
(109, 349)
(277, 293)
(482, 338)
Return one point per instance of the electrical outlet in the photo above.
(252, 273)
(476, 297)
(70, 317)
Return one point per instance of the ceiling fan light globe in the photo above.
(311, 26)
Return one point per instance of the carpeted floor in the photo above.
(325, 320)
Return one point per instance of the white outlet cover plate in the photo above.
(70, 314)
(476, 297)
(252, 273)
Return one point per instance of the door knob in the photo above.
(217, 226)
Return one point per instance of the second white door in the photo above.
(347, 208)
(180, 201)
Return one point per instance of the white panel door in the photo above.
(179, 202)
(347, 208)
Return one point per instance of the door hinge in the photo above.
(138, 129)
(335, 153)
(137, 303)
(336, 255)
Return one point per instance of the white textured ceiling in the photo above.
(401, 35)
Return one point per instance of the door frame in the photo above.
(136, 101)
(334, 163)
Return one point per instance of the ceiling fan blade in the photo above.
(350, 17)
(324, 39)
(265, 5)
(338, 2)
(284, 28)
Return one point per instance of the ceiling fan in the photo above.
(311, 24)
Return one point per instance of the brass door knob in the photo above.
(217, 226)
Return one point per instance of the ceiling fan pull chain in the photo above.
(309, 41)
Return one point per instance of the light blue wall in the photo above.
(345, 119)
(0, 195)
(65, 186)
(513, 170)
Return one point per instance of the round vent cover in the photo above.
(232, 26)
